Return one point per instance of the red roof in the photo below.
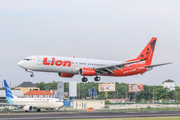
(38, 92)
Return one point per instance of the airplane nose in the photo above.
(20, 64)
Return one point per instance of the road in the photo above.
(88, 115)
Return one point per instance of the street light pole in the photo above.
(176, 95)
(117, 94)
(153, 95)
(149, 95)
(79, 91)
(166, 94)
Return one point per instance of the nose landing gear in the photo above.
(32, 75)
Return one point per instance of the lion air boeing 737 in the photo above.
(68, 67)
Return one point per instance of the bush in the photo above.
(177, 102)
(148, 107)
(107, 102)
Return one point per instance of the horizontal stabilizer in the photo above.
(150, 66)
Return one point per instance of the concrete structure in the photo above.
(72, 88)
(26, 86)
(122, 100)
(60, 90)
(83, 104)
(39, 93)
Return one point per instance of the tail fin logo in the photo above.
(9, 95)
(147, 53)
(153, 44)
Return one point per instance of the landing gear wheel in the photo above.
(84, 79)
(97, 78)
(38, 110)
(32, 75)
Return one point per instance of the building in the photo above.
(83, 104)
(169, 80)
(170, 84)
(39, 93)
(26, 86)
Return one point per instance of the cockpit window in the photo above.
(28, 59)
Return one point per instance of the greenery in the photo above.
(141, 109)
(138, 118)
(149, 94)
(107, 102)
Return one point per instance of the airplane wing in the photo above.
(21, 105)
(110, 69)
(151, 66)
(11, 104)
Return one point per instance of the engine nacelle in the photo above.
(27, 108)
(65, 75)
(87, 72)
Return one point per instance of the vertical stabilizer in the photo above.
(148, 50)
(9, 95)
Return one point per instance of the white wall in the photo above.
(83, 104)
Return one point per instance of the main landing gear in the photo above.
(97, 78)
(84, 79)
(38, 110)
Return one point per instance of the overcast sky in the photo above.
(99, 29)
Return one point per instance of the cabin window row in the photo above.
(77, 63)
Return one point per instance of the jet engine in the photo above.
(65, 75)
(87, 72)
(27, 108)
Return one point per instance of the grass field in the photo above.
(140, 109)
(139, 118)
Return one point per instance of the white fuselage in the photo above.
(39, 102)
(62, 64)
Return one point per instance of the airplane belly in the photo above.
(58, 69)
(42, 104)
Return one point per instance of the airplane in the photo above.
(68, 67)
(29, 103)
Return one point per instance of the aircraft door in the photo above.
(38, 60)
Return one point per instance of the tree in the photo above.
(41, 85)
(161, 93)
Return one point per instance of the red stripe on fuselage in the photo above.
(132, 69)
